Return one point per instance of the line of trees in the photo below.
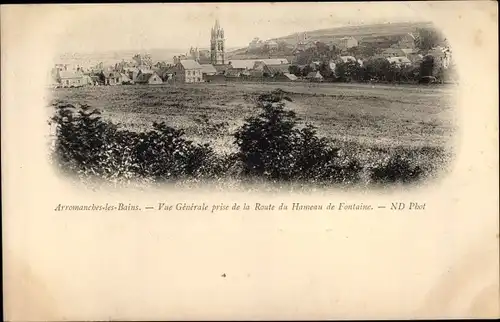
(377, 69)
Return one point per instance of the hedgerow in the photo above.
(88, 145)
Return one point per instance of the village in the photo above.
(406, 58)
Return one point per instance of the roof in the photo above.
(399, 60)
(145, 70)
(190, 64)
(395, 50)
(144, 77)
(249, 63)
(347, 58)
(242, 63)
(109, 74)
(131, 69)
(274, 61)
(280, 68)
(221, 68)
(408, 50)
(290, 76)
(70, 74)
(314, 75)
(208, 68)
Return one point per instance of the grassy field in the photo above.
(364, 120)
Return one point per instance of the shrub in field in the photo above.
(88, 145)
(209, 127)
(272, 145)
(397, 168)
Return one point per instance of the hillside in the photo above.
(364, 33)
(361, 32)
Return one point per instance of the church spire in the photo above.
(217, 44)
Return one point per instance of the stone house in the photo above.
(188, 71)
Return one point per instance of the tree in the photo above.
(348, 71)
(427, 66)
(306, 70)
(393, 72)
(409, 73)
(427, 38)
(326, 71)
(377, 68)
(295, 70)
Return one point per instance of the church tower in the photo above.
(217, 46)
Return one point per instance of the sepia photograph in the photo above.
(250, 161)
(308, 102)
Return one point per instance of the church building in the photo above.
(217, 45)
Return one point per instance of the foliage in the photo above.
(319, 52)
(272, 146)
(295, 70)
(398, 168)
(348, 71)
(427, 66)
(427, 38)
(326, 71)
(364, 51)
(88, 145)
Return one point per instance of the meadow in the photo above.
(367, 122)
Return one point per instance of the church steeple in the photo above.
(217, 45)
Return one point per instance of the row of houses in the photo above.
(77, 78)
(191, 71)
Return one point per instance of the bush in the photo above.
(88, 145)
(397, 168)
(271, 145)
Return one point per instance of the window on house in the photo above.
(189, 73)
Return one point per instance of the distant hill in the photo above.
(113, 56)
(363, 33)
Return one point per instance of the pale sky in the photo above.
(89, 28)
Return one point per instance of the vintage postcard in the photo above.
(250, 161)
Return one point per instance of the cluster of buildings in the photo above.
(199, 66)
(258, 44)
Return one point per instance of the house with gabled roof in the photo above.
(188, 71)
(69, 78)
(112, 78)
(274, 70)
(149, 77)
